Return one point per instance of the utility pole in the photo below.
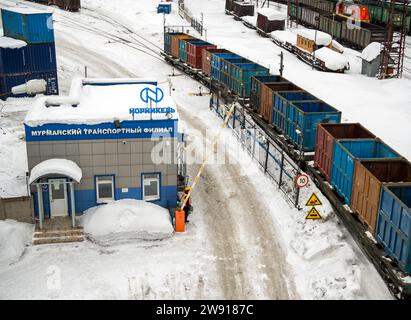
(281, 63)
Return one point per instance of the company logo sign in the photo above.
(148, 94)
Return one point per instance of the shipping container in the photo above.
(175, 44)
(229, 6)
(216, 61)
(42, 57)
(13, 56)
(168, 36)
(344, 155)
(394, 224)
(8, 82)
(183, 46)
(327, 133)
(256, 82)
(369, 176)
(51, 80)
(241, 9)
(241, 74)
(302, 121)
(266, 25)
(267, 90)
(27, 24)
(195, 53)
(207, 57)
(226, 66)
(280, 103)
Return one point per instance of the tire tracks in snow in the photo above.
(250, 262)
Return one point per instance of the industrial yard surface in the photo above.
(244, 239)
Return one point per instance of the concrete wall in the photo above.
(126, 159)
(19, 209)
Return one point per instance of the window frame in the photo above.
(151, 198)
(113, 188)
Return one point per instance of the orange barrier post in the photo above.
(180, 221)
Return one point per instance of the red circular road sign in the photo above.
(302, 180)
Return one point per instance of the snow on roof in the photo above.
(99, 101)
(372, 51)
(62, 167)
(272, 14)
(284, 36)
(10, 43)
(25, 10)
(320, 38)
(244, 3)
(333, 60)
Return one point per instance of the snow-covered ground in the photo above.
(244, 239)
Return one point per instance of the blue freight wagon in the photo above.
(394, 223)
(42, 57)
(13, 56)
(345, 153)
(216, 59)
(303, 118)
(255, 92)
(30, 25)
(167, 40)
(225, 76)
(282, 101)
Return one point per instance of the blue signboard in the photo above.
(123, 130)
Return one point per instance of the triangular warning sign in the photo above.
(313, 201)
(313, 214)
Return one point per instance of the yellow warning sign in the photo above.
(313, 201)
(313, 214)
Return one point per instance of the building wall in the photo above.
(126, 159)
(19, 209)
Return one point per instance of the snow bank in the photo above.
(56, 166)
(371, 51)
(127, 219)
(333, 60)
(338, 46)
(272, 14)
(13, 239)
(284, 36)
(320, 38)
(10, 43)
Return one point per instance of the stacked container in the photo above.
(207, 57)
(36, 29)
(195, 52)
(14, 68)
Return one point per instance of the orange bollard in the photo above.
(180, 221)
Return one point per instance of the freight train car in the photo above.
(68, 5)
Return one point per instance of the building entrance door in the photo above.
(58, 198)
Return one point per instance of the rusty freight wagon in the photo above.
(327, 134)
(369, 177)
(195, 51)
(270, 20)
(241, 9)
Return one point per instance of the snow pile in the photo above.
(56, 166)
(320, 38)
(13, 239)
(252, 20)
(372, 51)
(10, 43)
(272, 14)
(284, 36)
(333, 60)
(127, 219)
(338, 46)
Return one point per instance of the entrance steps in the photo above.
(57, 230)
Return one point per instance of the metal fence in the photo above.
(266, 153)
(195, 23)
